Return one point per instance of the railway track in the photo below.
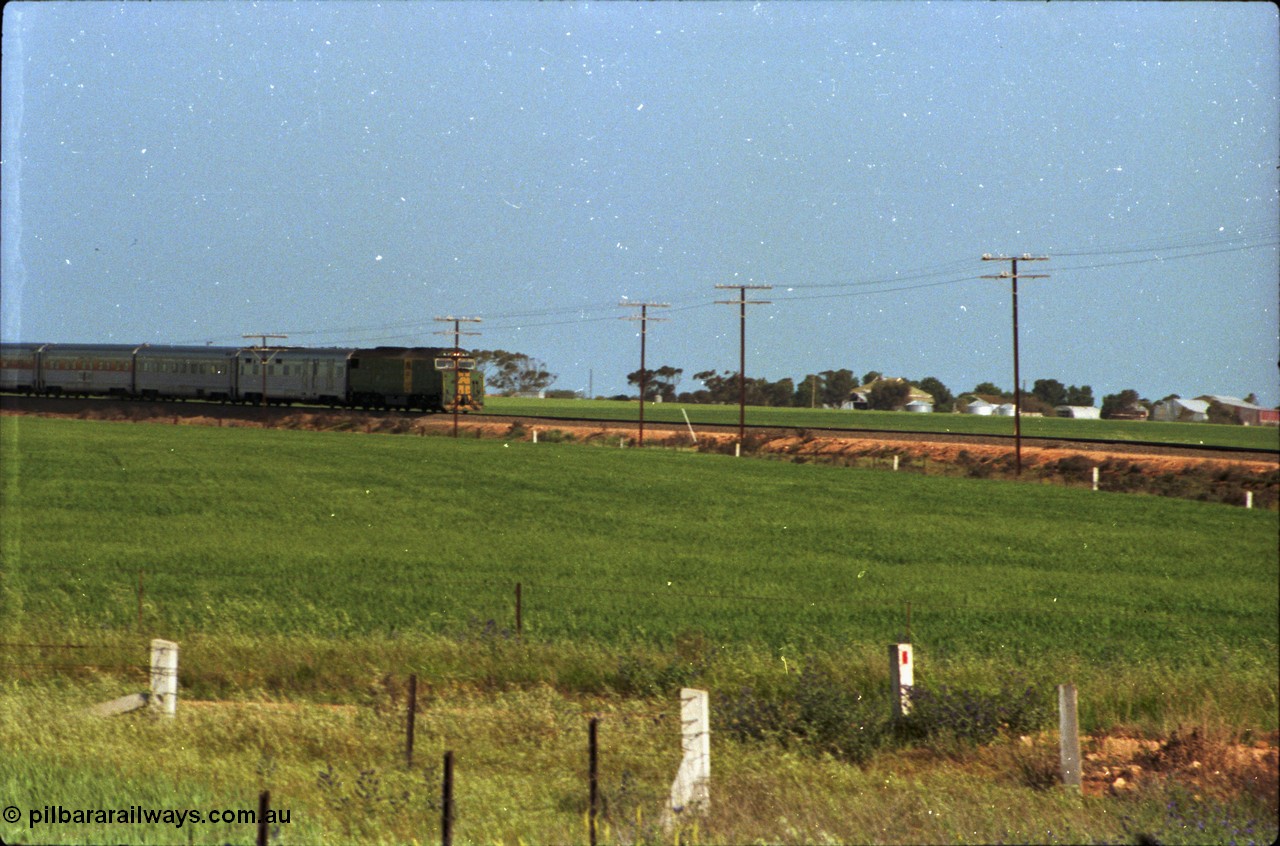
(165, 409)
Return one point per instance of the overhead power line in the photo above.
(1174, 247)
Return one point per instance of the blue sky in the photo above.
(346, 172)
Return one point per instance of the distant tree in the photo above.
(988, 389)
(512, 372)
(1253, 398)
(781, 393)
(836, 387)
(1051, 391)
(720, 387)
(658, 383)
(871, 376)
(807, 392)
(889, 394)
(1126, 400)
(1082, 395)
(1032, 404)
(668, 379)
(646, 378)
(942, 398)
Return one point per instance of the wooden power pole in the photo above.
(644, 374)
(1013, 276)
(742, 302)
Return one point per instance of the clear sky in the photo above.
(346, 172)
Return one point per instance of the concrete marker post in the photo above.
(691, 790)
(164, 677)
(1095, 478)
(1069, 735)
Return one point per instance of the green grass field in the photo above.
(1194, 434)
(300, 568)
(276, 532)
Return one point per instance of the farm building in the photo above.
(1005, 409)
(1079, 412)
(918, 407)
(860, 398)
(1131, 412)
(1247, 413)
(1186, 410)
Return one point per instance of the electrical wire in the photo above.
(1169, 248)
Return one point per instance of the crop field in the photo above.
(1191, 434)
(311, 568)
(329, 533)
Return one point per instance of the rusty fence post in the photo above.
(446, 802)
(412, 717)
(593, 777)
(264, 803)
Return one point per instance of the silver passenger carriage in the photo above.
(185, 372)
(20, 368)
(105, 369)
(292, 374)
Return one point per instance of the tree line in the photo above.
(516, 373)
(826, 389)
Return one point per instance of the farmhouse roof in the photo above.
(914, 394)
(1234, 402)
(1200, 406)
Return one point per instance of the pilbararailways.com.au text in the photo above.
(138, 815)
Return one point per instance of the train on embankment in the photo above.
(430, 379)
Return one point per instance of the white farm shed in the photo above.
(980, 407)
(1079, 412)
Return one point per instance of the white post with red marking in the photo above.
(901, 677)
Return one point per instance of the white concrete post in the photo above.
(895, 464)
(1095, 478)
(901, 677)
(691, 790)
(1069, 735)
(535, 434)
(164, 677)
(1248, 499)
